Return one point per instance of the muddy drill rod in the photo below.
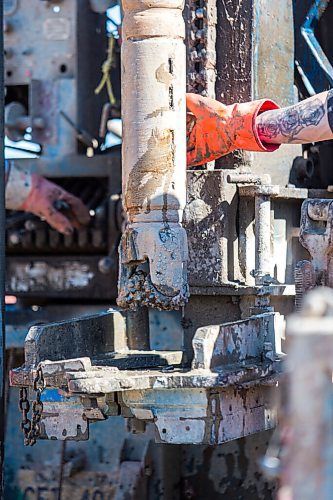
(153, 250)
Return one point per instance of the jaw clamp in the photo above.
(153, 266)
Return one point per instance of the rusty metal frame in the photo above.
(307, 30)
(311, 60)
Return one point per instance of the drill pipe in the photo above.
(153, 249)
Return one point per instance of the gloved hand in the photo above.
(35, 194)
(215, 130)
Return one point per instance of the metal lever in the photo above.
(81, 134)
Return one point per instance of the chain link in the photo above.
(201, 21)
(24, 407)
(201, 59)
(31, 428)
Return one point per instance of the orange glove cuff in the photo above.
(215, 130)
(244, 122)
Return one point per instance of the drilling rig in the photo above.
(211, 260)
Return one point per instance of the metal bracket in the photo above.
(316, 235)
(312, 64)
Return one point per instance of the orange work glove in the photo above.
(41, 202)
(215, 130)
(35, 194)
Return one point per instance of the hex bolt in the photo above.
(106, 264)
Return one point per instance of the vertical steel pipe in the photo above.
(137, 328)
(263, 237)
(153, 250)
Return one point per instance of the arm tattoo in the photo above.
(292, 120)
(330, 108)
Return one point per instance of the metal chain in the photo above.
(201, 59)
(197, 36)
(24, 407)
(31, 428)
(201, 21)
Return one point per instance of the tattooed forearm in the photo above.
(287, 124)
